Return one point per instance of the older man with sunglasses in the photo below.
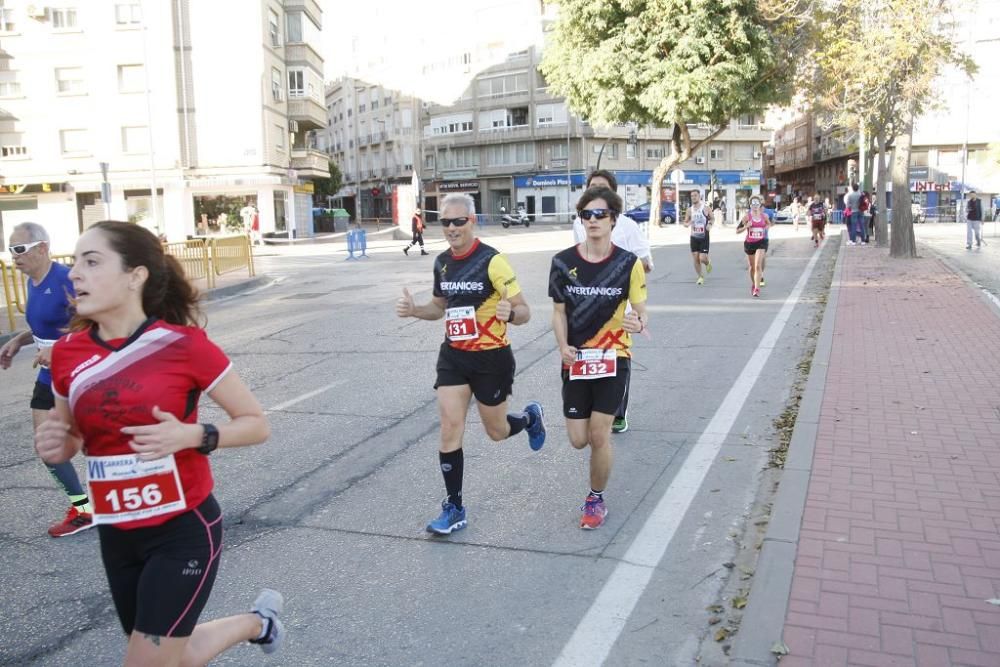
(48, 311)
(590, 284)
(477, 294)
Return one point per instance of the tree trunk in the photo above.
(881, 194)
(902, 242)
(680, 150)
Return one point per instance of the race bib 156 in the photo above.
(123, 488)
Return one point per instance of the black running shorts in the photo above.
(752, 248)
(490, 373)
(161, 576)
(42, 397)
(700, 244)
(583, 397)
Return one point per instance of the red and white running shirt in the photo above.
(113, 384)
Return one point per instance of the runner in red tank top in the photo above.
(127, 382)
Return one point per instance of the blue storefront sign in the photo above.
(548, 180)
(722, 177)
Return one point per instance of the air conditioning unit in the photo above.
(756, 155)
(35, 11)
(293, 126)
(699, 160)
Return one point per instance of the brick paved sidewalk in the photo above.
(899, 548)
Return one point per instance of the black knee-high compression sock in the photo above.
(451, 468)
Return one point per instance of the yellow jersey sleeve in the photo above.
(502, 276)
(637, 283)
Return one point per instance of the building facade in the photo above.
(373, 135)
(509, 142)
(192, 124)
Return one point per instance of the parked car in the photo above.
(668, 213)
(782, 216)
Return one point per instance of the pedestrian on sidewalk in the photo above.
(417, 227)
(48, 312)
(126, 381)
(477, 294)
(973, 221)
(626, 234)
(866, 216)
(696, 218)
(591, 284)
(852, 209)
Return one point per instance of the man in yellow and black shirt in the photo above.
(476, 292)
(591, 283)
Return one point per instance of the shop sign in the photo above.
(31, 188)
(451, 186)
(931, 186)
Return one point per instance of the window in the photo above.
(69, 80)
(406, 119)
(610, 149)
(429, 161)
(135, 139)
(12, 145)
(374, 105)
(655, 152)
(9, 87)
(272, 22)
(717, 154)
(73, 141)
(362, 108)
(949, 159)
(276, 84)
(280, 221)
(507, 154)
(560, 151)
(747, 121)
(918, 159)
(499, 86)
(279, 137)
(6, 19)
(128, 13)
(296, 85)
(743, 151)
(454, 124)
(130, 78)
(548, 205)
(517, 117)
(630, 150)
(62, 18)
(293, 27)
(550, 114)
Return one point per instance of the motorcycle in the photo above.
(520, 217)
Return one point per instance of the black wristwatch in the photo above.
(510, 318)
(210, 440)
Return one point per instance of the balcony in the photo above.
(310, 163)
(310, 7)
(302, 54)
(499, 135)
(310, 114)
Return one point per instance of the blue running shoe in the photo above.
(451, 519)
(536, 429)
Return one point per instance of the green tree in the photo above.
(327, 187)
(877, 70)
(667, 63)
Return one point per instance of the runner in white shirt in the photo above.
(626, 234)
(699, 222)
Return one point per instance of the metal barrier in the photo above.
(194, 256)
(232, 253)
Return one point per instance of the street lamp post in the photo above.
(385, 175)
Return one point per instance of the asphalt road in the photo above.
(331, 511)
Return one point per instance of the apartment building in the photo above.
(192, 123)
(373, 135)
(508, 142)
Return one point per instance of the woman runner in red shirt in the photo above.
(127, 379)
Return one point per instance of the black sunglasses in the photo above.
(595, 213)
(458, 222)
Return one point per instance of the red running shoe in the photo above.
(74, 522)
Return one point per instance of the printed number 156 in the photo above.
(134, 498)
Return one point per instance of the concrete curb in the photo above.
(764, 619)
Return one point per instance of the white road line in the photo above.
(600, 627)
(307, 395)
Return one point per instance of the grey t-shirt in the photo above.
(853, 199)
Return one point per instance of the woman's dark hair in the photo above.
(166, 294)
(600, 192)
(606, 175)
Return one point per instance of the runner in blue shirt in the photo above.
(48, 312)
